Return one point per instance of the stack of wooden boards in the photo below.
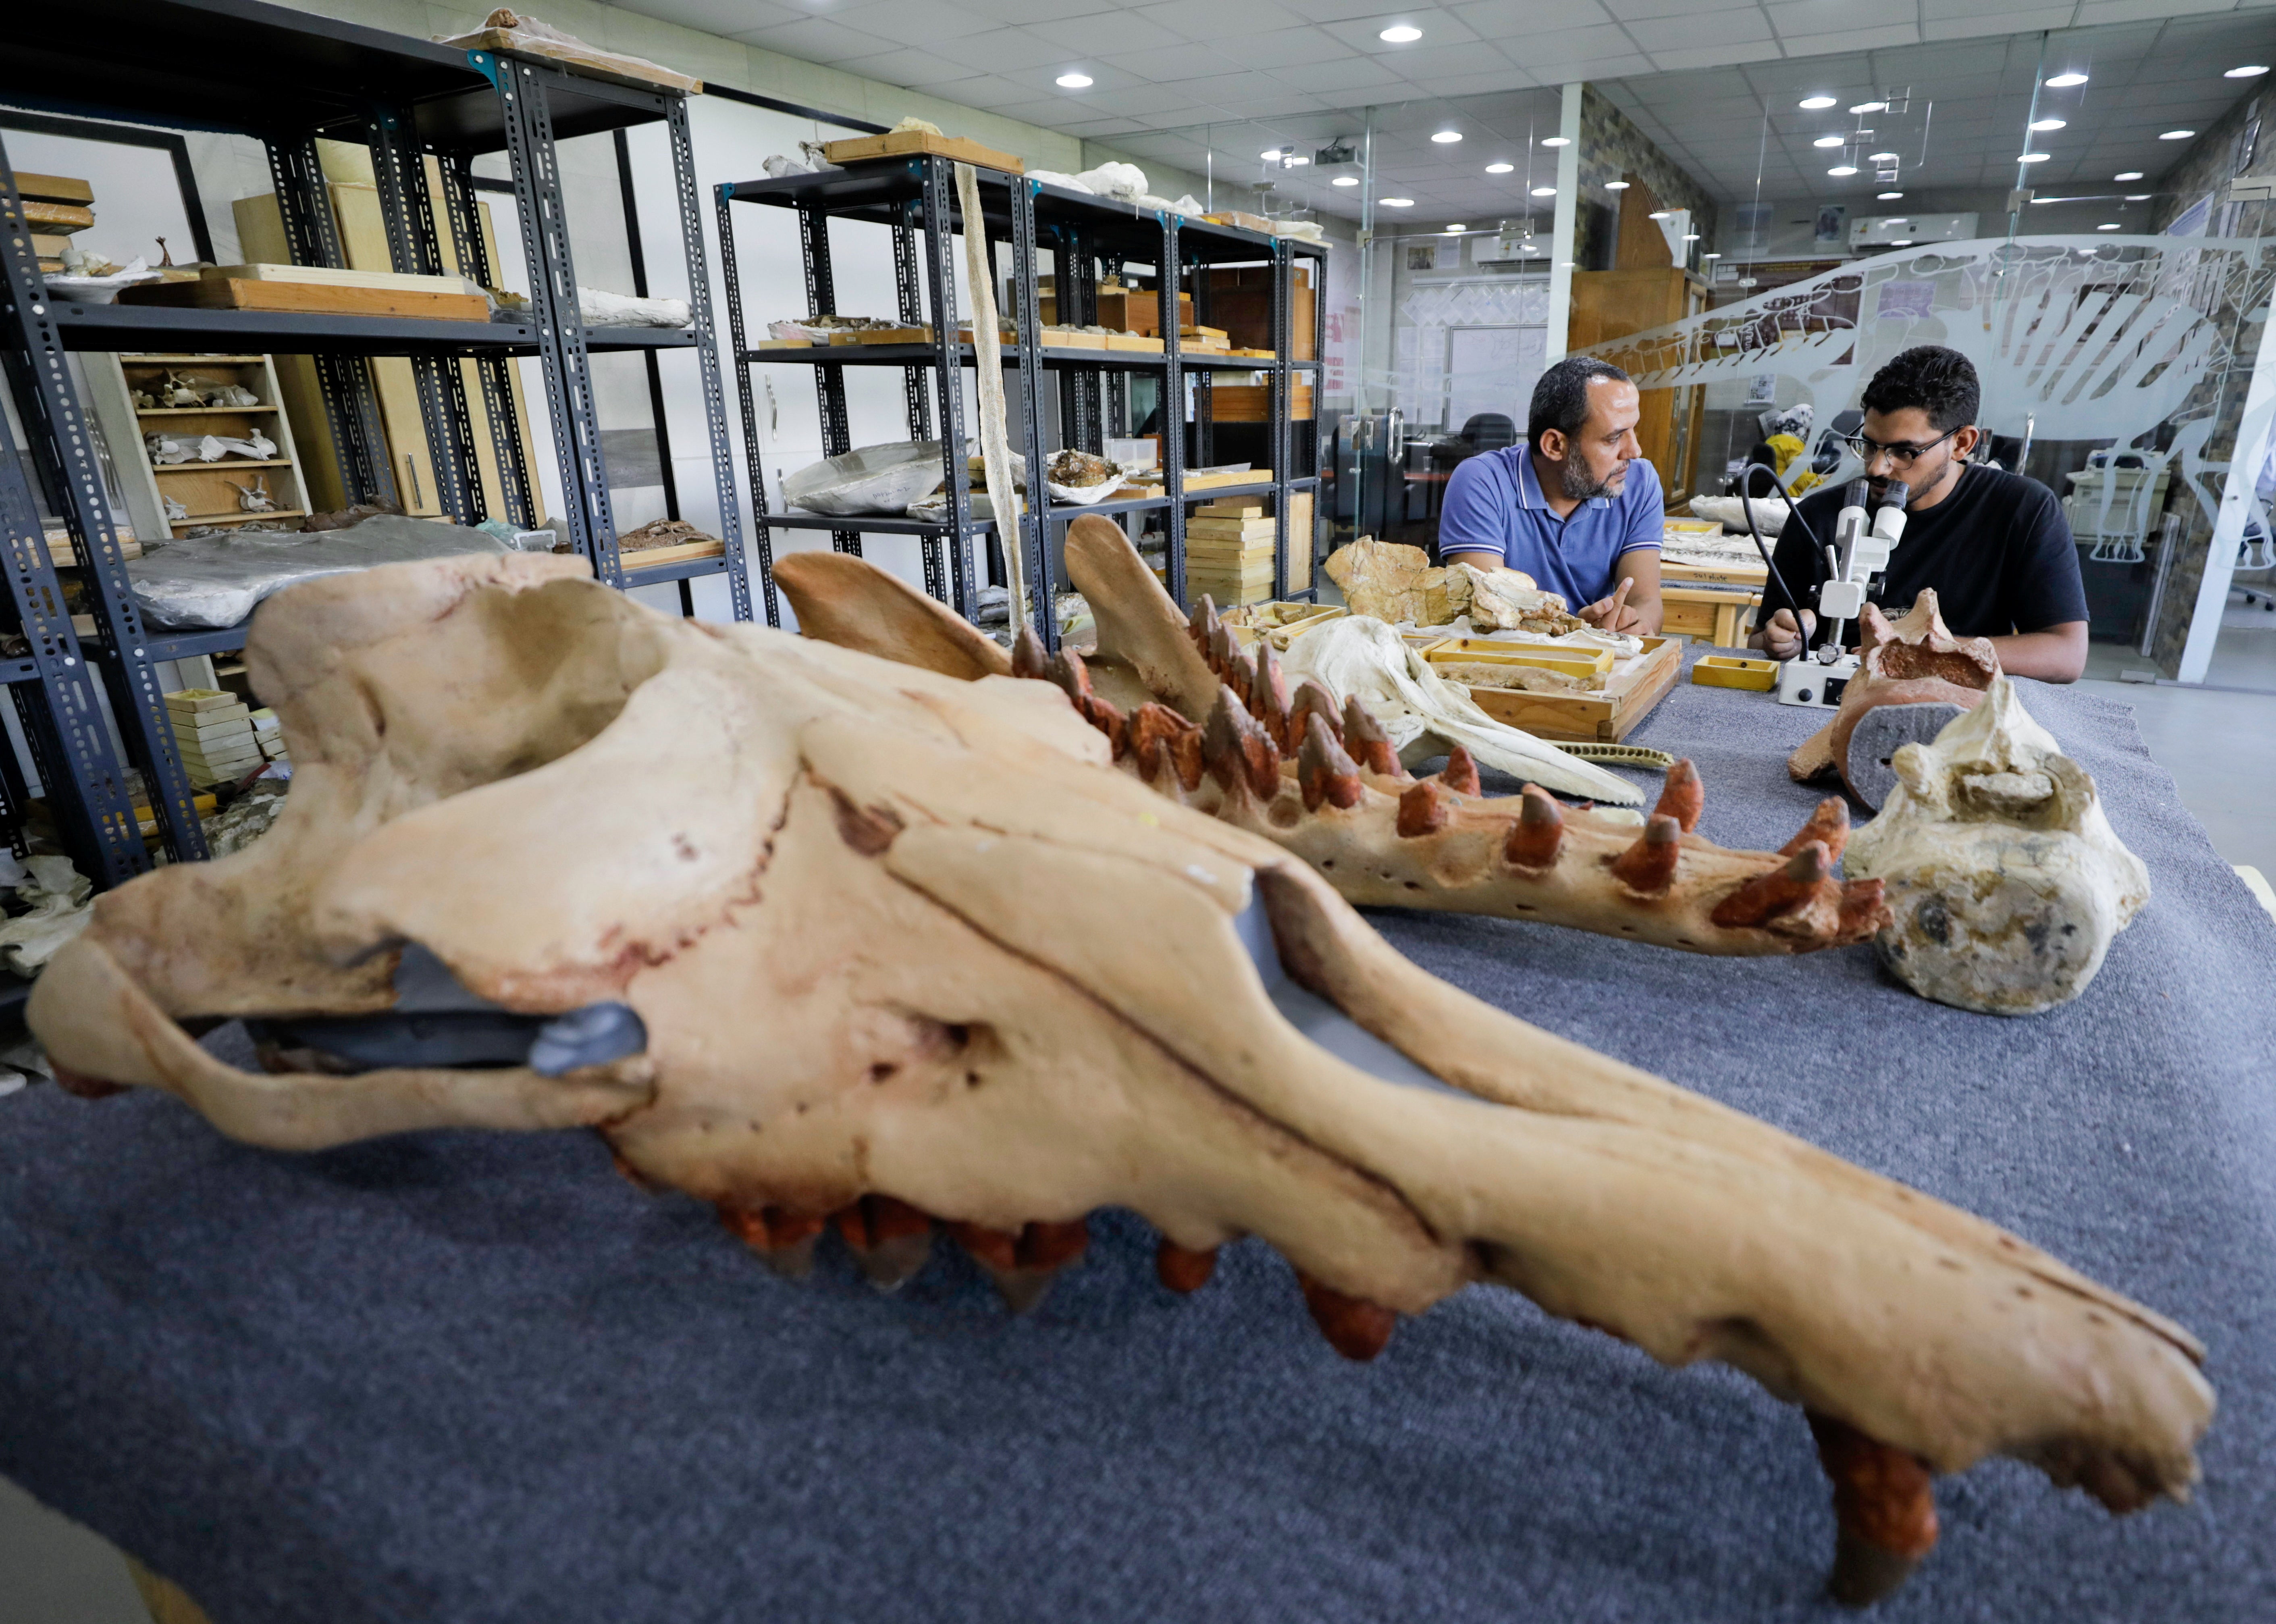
(54, 206)
(1229, 548)
(213, 730)
(319, 287)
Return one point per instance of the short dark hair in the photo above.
(1938, 381)
(1560, 400)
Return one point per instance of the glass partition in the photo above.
(2115, 370)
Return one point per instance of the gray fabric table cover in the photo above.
(460, 1376)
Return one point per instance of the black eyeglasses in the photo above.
(1903, 456)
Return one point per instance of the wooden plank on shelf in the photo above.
(908, 143)
(335, 276)
(239, 293)
(649, 558)
(57, 219)
(51, 188)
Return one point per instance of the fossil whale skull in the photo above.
(827, 940)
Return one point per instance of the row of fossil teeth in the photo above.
(891, 1242)
(1335, 748)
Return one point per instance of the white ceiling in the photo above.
(1964, 126)
(1696, 74)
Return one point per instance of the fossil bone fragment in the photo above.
(1386, 838)
(1913, 677)
(1399, 585)
(254, 498)
(2005, 883)
(600, 850)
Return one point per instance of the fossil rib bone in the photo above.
(896, 949)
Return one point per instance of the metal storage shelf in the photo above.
(916, 199)
(1053, 357)
(140, 327)
(286, 77)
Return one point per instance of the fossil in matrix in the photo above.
(841, 944)
(2005, 883)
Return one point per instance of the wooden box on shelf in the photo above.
(209, 493)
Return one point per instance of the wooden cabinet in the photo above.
(1614, 304)
(128, 393)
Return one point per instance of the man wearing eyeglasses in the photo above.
(1993, 545)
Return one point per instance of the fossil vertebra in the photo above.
(2005, 883)
(1913, 677)
(826, 940)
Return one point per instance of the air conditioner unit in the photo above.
(1891, 230)
(1508, 248)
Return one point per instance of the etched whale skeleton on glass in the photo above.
(831, 941)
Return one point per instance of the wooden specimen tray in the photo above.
(883, 334)
(1492, 651)
(1631, 689)
(245, 293)
(1281, 621)
(1134, 341)
(649, 558)
(1723, 670)
(904, 143)
(1711, 615)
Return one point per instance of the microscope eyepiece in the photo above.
(1897, 495)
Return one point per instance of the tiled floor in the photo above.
(2220, 746)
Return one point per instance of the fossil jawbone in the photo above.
(907, 954)
(1227, 731)
(2005, 883)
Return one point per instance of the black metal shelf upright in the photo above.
(914, 196)
(288, 78)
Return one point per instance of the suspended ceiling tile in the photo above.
(1106, 34)
(986, 91)
(1170, 63)
(1438, 28)
(1470, 84)
(1000, 49)
(916, 69)
(1512, 21)
(1704, 29)
(1219, 19)
(1021, 11)
(1964, 28)
(815, 39)
(2093, 12)
(1425, 66)
(1715, 56)
(1855, 39)
(724, 18)
(911, 22)
(1284, 48)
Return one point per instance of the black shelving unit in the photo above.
(288, 78)
(916, 198)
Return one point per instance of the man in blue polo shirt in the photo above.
(1574, 505)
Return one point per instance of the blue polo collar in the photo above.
(1529, 484)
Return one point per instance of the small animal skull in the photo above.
(2005, 882)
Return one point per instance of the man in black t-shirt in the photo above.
(1994, 545)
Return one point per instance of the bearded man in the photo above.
(1574, 505)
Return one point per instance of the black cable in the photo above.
(1794, 516)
